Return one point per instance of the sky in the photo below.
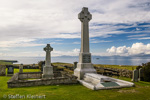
(118, 27)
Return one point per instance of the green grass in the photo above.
(60, 64)
(25, 70)
(76, 92)
(128, 67)
(5, 63)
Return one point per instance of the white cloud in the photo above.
(76, 42)
(23, 22)
(54, 53)
(137, 35)
(98, 41)
(21, 42)
(51, 19)
(141, 38)
(135, 49)
(74, 52)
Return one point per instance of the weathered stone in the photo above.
(141, 72)
(2, 70)
(95, 82)
(10, 70)
(48, 69)
(21, 68)
(84, 65)
(75, 65)
(17, 80)
(135, 75)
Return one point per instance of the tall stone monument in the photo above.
(48, 69)
(84, 65)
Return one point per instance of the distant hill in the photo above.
(7, 62)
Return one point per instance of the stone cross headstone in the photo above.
(135, 75)
(2, 70)
(84, 65)
(48, 69)
(21, 68)
(141, 72)
(10, 70)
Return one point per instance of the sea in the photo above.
(108, 60)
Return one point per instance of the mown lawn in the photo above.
(25, 70)
(75, 92)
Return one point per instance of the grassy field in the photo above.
(73, 92)
(5, 63)
(128, 67)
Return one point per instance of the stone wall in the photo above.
(35, 75)
(14, 77)
(30, 75)
(18, 79)
(122, 72)
(2, 70)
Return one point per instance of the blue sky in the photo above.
(118, 27)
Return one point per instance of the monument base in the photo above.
(83, 68)
(99, 82)
(47, 76)
(47, 72)
(10, 74)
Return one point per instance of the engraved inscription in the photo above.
(86, 58)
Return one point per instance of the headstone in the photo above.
(21, 68)
(2, 70)
(33, 66)
(42, 67)
(28, 67)
(141, 72)
(135, 75)
(10, 70)
(84, 65)
(48, 69)
(75, 65)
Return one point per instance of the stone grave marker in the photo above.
(84, 65)
(10, 70)
(48, 69)
(75, 65)
(21, 68)
(135, 75)
(42, 66)
(2, 70)
(141, 72)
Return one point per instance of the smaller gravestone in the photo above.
(2, 70)
(10, 70)
(141, 72)
(75, 65)
(48, 69)
(33, 65)
(28, 67)
(135, 75)
(42, 66)
(21, 68)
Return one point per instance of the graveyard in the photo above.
(65, 92)
(82, 80)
